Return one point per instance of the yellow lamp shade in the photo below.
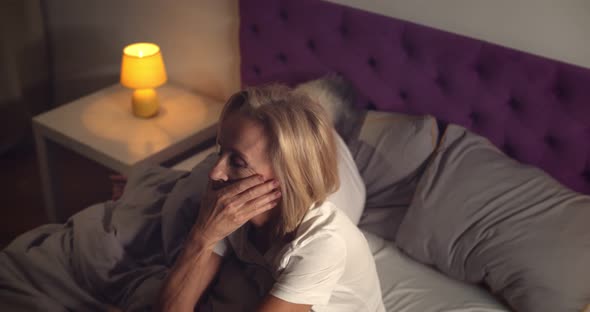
(142, 66)
(142, 69)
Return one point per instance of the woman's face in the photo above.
(242, 152)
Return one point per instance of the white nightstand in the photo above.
(102, 127)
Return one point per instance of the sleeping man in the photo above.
(283, 198)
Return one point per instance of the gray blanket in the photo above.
(113, 253)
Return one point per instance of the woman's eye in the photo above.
(234, 160)
(237, 162)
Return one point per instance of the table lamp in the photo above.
(142, 69)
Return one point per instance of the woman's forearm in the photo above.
(190, 276)
(225, 210)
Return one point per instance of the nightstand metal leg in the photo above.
(45, 157)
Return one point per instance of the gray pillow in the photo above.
(482, 217)
(390, 150)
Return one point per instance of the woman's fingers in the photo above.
(255, 192)
(230, 207)
(260, 209)
(260, 205)
(241, 186)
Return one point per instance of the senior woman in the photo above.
(273, 197)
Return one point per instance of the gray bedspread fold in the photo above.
(113, 253)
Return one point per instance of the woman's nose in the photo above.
(219, 170)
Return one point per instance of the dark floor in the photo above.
(82, 182)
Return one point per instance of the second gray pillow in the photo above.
(481, 217)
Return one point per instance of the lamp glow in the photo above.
(142, 69)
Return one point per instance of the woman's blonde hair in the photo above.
(301, 145)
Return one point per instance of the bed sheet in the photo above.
(408, 286)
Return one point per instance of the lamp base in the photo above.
(145, 103)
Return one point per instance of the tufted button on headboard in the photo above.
(535, 109)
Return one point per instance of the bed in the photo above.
(535, 110)
(506, 107)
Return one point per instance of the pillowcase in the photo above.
(481, 217)
(390, 150)
(350, 196)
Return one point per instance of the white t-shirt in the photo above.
(328, 264)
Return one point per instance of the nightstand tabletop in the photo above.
(102, 127)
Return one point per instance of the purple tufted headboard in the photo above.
(535, 109)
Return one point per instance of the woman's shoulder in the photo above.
(323, 226)
(318, 240)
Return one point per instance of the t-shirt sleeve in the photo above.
(312, 271)
(221, 247)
